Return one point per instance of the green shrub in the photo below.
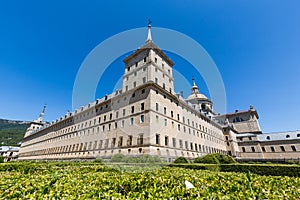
(98, 160)
(290, 162)
(208, 159)
(1, 159)
(224, 159)
(117, 157)
(181, 160)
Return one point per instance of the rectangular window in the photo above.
(120, 143)
(156, 118)
(144, 79)
(191, 144)
(263, 149)
(124, 112)
(122, 123)
(165, 110)
(106, 143)
(282, 148)
(156, 80)
(142, 106)
(142, 119)
(174, 142)
(129, 141)
(140, 139)
(116, 125)
(117, 115)
(157, 139)
(145, 59)
(293, 148)
(272, 149)
(178, 127)
(178, 117)
(156, 106)
(110, 116)
(166, 140)
(165, 122)
(132, 109)
(155, 60)
(172, 114)
(134, 84)
(253, 149)
(186, 145)
(243, 149)
(131, 121)
(113, 142)
(180, 144)
(100, 144)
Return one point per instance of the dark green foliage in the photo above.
(1, 159)
(181, 160)
(117, 157)
(12, 132)
(216, 158)
(263, 169)
(260, 169)
(120, 158)
(290, 162)
(208, 159)
(89, 180)
(224, 159)
(98, 160)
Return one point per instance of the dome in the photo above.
(197, 96)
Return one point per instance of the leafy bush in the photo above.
(290, 162)
(87, 180)
(98, 160)
(181, 160)
(224, 159)
(141, 159)
(1, 159)
(209, 159)
(216, 158)
(117, 157)
(260, 169)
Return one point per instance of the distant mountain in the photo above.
(12, 132)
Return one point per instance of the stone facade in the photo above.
(147, 117)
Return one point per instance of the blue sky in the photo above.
(255, 44)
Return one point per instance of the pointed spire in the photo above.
(149, 37)
(41, 117)
(193, 79)
(195, 89)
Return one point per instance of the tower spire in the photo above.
(149, 37)
(41, 117)
(195, 89)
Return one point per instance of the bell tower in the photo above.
(148, 63)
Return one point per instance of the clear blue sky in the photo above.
(255, 44)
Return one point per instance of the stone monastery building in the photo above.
(147, 117)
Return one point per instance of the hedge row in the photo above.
(260, 169)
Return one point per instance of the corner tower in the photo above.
(36, 124)
(148, 64)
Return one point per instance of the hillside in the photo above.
(12, 132)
